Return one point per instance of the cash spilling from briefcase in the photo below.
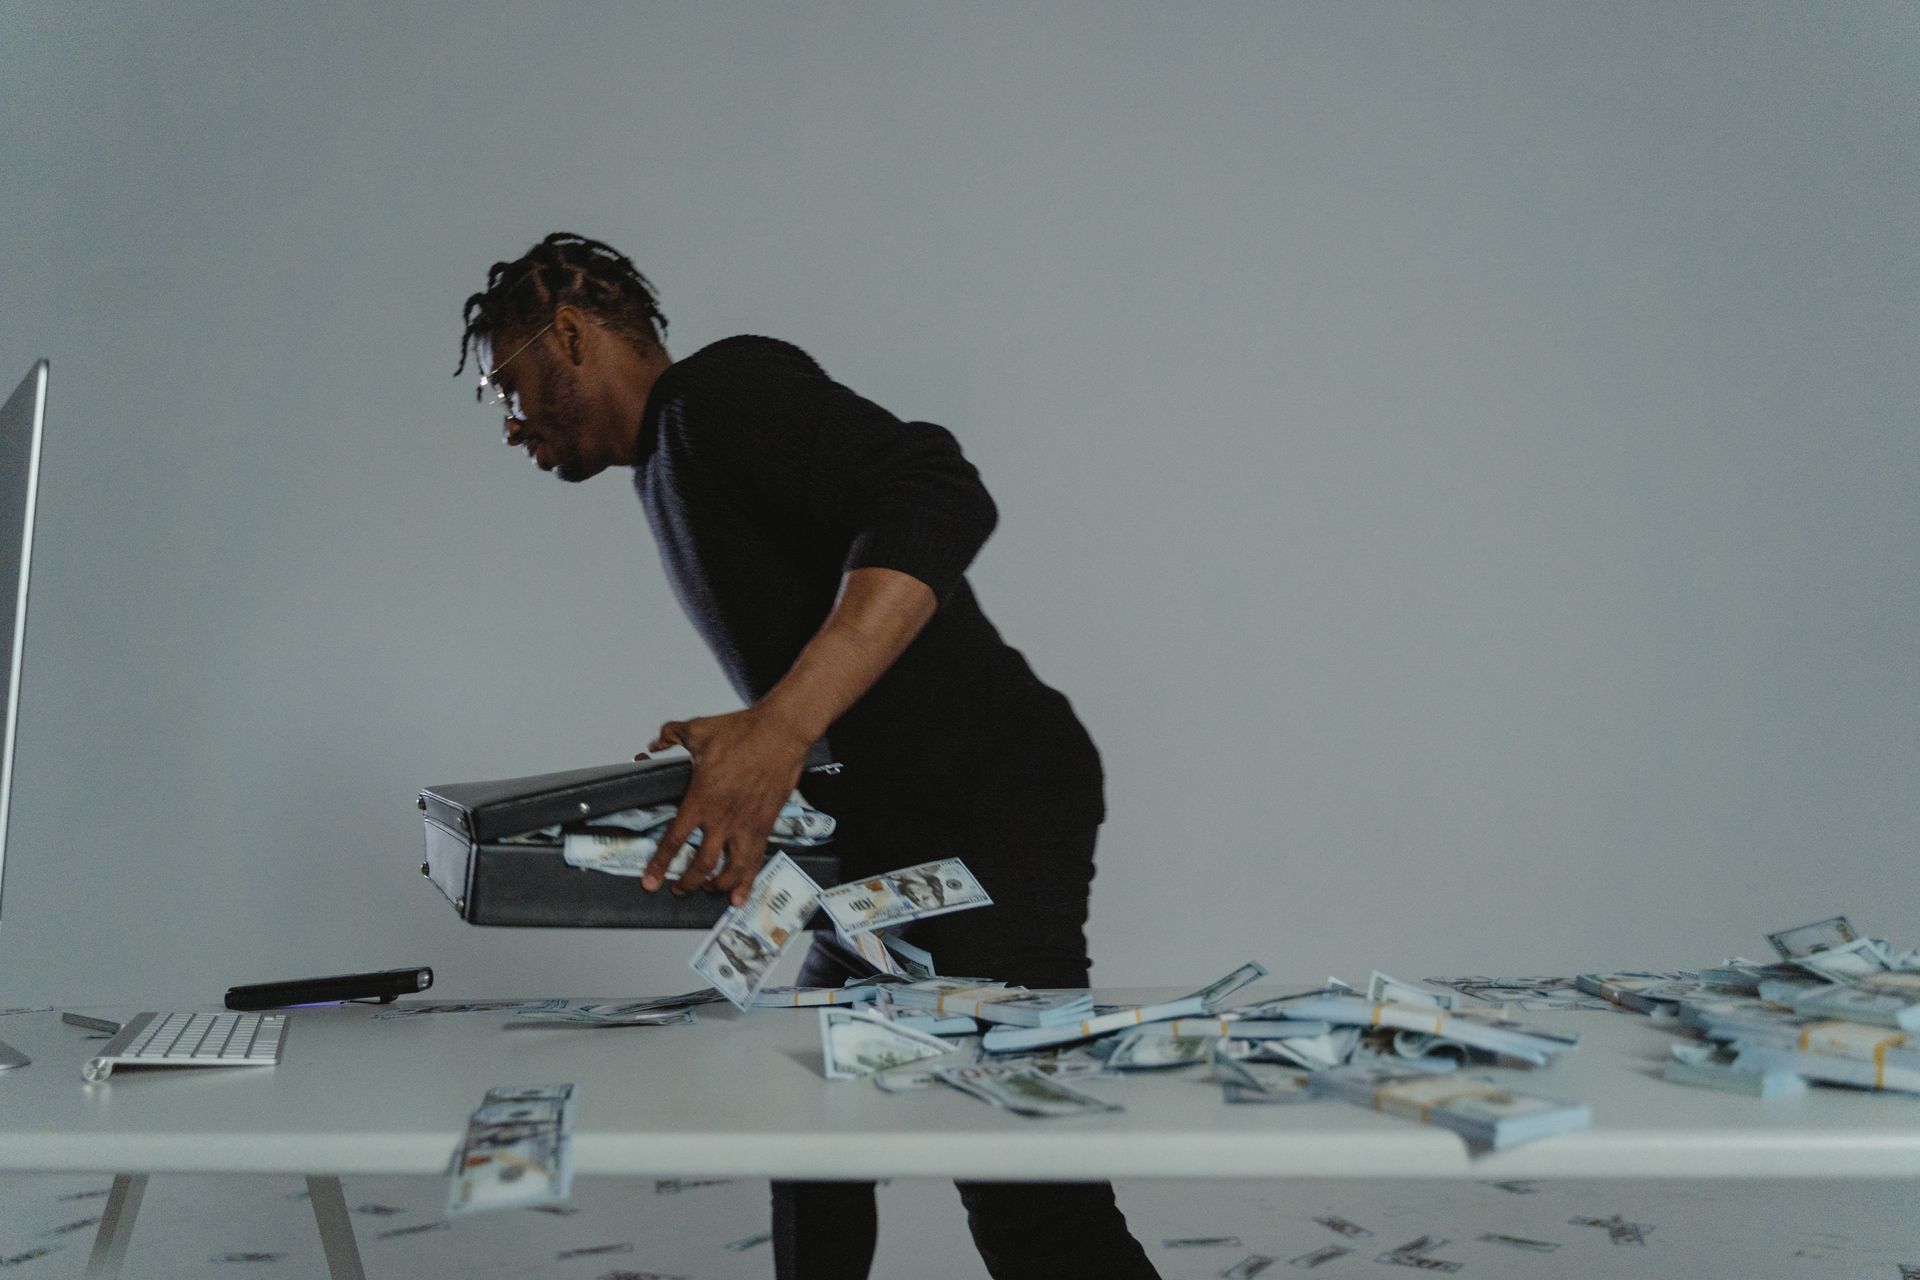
(741, 949)
(517, 1151)
(623, 843)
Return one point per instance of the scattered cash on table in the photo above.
(740, 950)
(404, 1009)
(517, 1152)
(1836, 1007)
(642, 1014)
(1005, 1039)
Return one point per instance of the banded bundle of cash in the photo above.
(1835, 1007)
(863, 993)
(991, 1001)
(517, 1151)
(1487, 1115)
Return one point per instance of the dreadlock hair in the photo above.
(564, 268)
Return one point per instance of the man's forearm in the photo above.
(878, 614)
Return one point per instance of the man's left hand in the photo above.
(745, 765)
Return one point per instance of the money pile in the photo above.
(1396, 1050)
(905, 1026)
(1834, 1007)
(517, 1151)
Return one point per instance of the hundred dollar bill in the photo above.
(404, 1009)
(1023, 1090)
(517, 1150)
(911, 893)
(858, 1042)
(601, 1015)
(740, 950)
(913, 962)
(1258, 1081)
(1312, 1053)
(1805, 939)
(1381, 988)
(1005, 1039)
(1848, 961)
(1144, 1051)
(993, 1001)
(924, 1073)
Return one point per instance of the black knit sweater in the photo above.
(765, 481)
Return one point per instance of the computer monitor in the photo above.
(21, 420)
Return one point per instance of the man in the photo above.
(819, 545)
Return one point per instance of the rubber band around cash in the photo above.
(1892, 1040)
(1379, 1011)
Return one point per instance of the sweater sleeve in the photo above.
(799, 446)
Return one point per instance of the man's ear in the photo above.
(570, 325)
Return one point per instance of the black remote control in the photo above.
(385, 985)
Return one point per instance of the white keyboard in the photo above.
(191, 1040)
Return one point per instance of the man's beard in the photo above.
(569, 406)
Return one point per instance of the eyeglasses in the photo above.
(501, 401)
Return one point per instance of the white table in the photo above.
(741, 1095)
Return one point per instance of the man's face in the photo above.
(556, 415)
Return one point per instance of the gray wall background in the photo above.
(1460, 459)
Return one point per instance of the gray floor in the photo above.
(622, 1229)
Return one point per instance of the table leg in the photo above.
(116, 1225)
(336, 1228)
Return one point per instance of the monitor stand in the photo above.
(11, 1057)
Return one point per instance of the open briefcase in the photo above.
(490, 849)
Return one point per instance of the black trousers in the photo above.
(1033, 935)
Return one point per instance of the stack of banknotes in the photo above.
(517, 1150)
(739, 952)
(1833, 1007)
